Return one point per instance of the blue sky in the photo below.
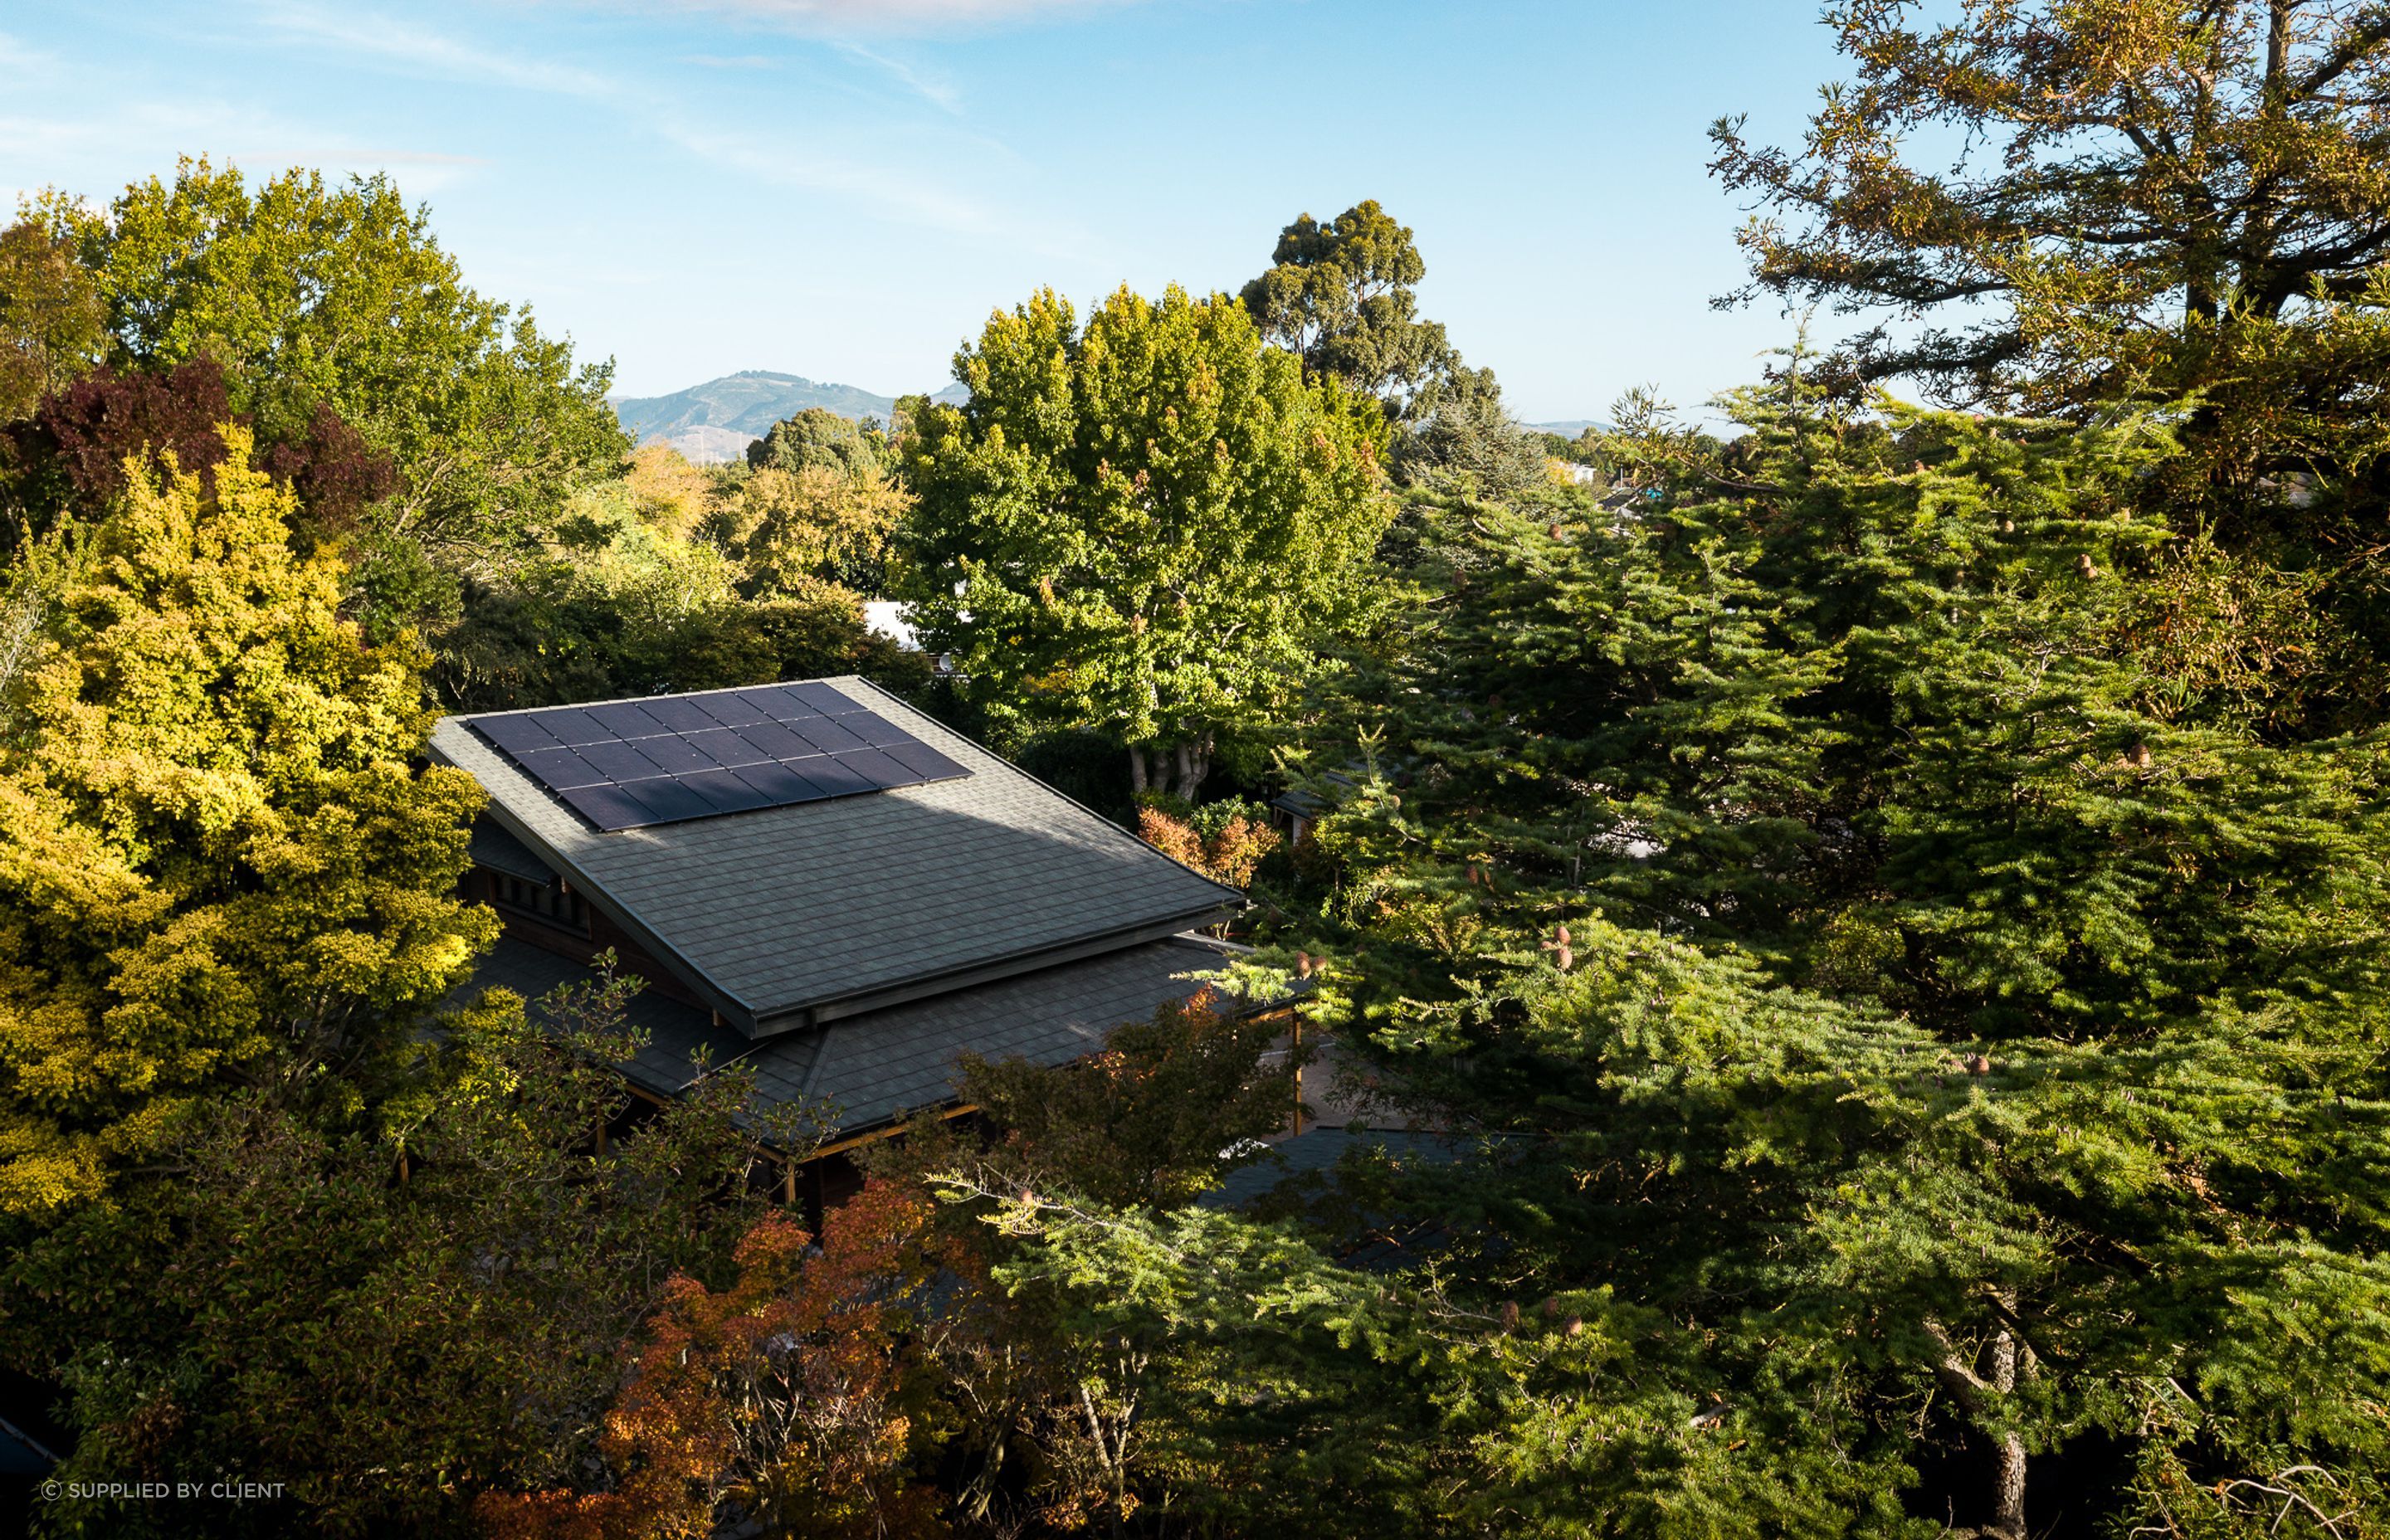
(844, 188)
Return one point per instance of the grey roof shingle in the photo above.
(866, 1069)
(872, 1068)
(500, 851)
(676, 1031)
(791, 915)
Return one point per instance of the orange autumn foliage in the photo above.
(790, 1397)
(1227, 849)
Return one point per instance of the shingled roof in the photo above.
(790, 917)
(866, 1069)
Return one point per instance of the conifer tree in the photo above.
(2068, 1120)
(217, 863)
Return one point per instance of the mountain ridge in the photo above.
(717, 419)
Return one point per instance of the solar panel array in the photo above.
(629, 763)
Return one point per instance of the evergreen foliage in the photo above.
(2155, 202)
(218, 865)
(2065, 1124)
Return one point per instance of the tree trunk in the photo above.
(2008, 1477)
(2007, 1500)
(1194, 763)
(1981, 1398)
(1178, 769)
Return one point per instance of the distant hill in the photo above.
(1568, 429)
(718, 419)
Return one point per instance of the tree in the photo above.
(1464, 427)
(1147, 524)
(1168, 1108)
(308, 293)
(2152, 201)
(1864, 704)
(633, 598)
(800, 1397)
(818, 437)
(218, 865)
(1223, 840)
(2145, 173)
(72, 452)
(53, 325)
(817, 507)
(389, 1317)
(1340, 296)
(1251, 1383)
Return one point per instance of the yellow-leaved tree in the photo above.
(218, 866)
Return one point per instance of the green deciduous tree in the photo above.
(53, 322)
(620, 603)
(308, 293)
(218, 865)
(1147, 524)
(820, 507)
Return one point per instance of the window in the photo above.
(551, 902)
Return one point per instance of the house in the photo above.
(824, 885)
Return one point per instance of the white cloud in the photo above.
(933, 89)
(810, 165)
(875, 16)
(436, 54)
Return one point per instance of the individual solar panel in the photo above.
(609, 807)
(624, 719)
(828, 734)
(573, 728)
(924, 761)
(620, 760)
(678, 755)
(560, 768)
(725, 790)
(782, 783)
(825, 699)
(878, 731)
(678, 713)
(628, 764)
(774, 741)
(877, 768)
(834, 776)
(518, 735)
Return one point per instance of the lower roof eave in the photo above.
(822, 1013)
